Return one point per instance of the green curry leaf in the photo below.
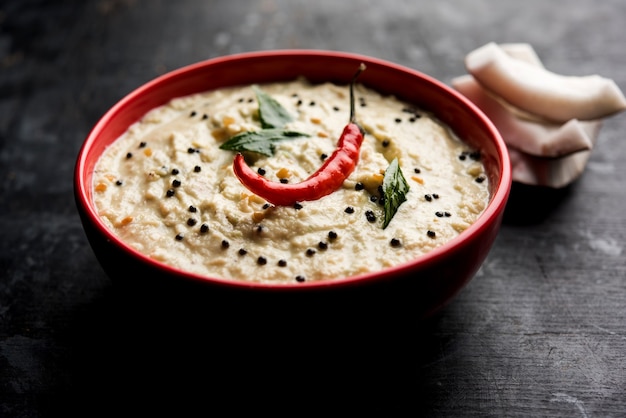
(261, 141)
(271, 113)
(395, 189)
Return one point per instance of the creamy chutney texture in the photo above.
(167, 189)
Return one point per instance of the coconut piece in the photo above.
(542, 139)
(549, 172)
(523, 52)
(540, 92)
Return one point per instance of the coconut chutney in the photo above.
(167, 189)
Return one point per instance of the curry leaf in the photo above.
(261, 141)
(271, 113)
(395, 189)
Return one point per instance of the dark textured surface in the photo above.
(540, 331)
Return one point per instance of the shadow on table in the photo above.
(529, 205)
(322, 354)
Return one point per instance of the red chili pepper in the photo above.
(328, 178)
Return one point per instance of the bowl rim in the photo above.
(492, 212)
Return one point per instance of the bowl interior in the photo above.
(450, 107)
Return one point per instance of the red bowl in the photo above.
(424, 284)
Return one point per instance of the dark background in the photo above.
(540, 331)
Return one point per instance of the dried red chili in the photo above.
(328, 178)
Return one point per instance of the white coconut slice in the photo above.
(538, 91)
(542, 139)
(548, 172)
(523, 52)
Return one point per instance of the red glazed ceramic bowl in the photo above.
(422, 285)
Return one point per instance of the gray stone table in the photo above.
(540, 331)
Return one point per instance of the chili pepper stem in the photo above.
(352, 107)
